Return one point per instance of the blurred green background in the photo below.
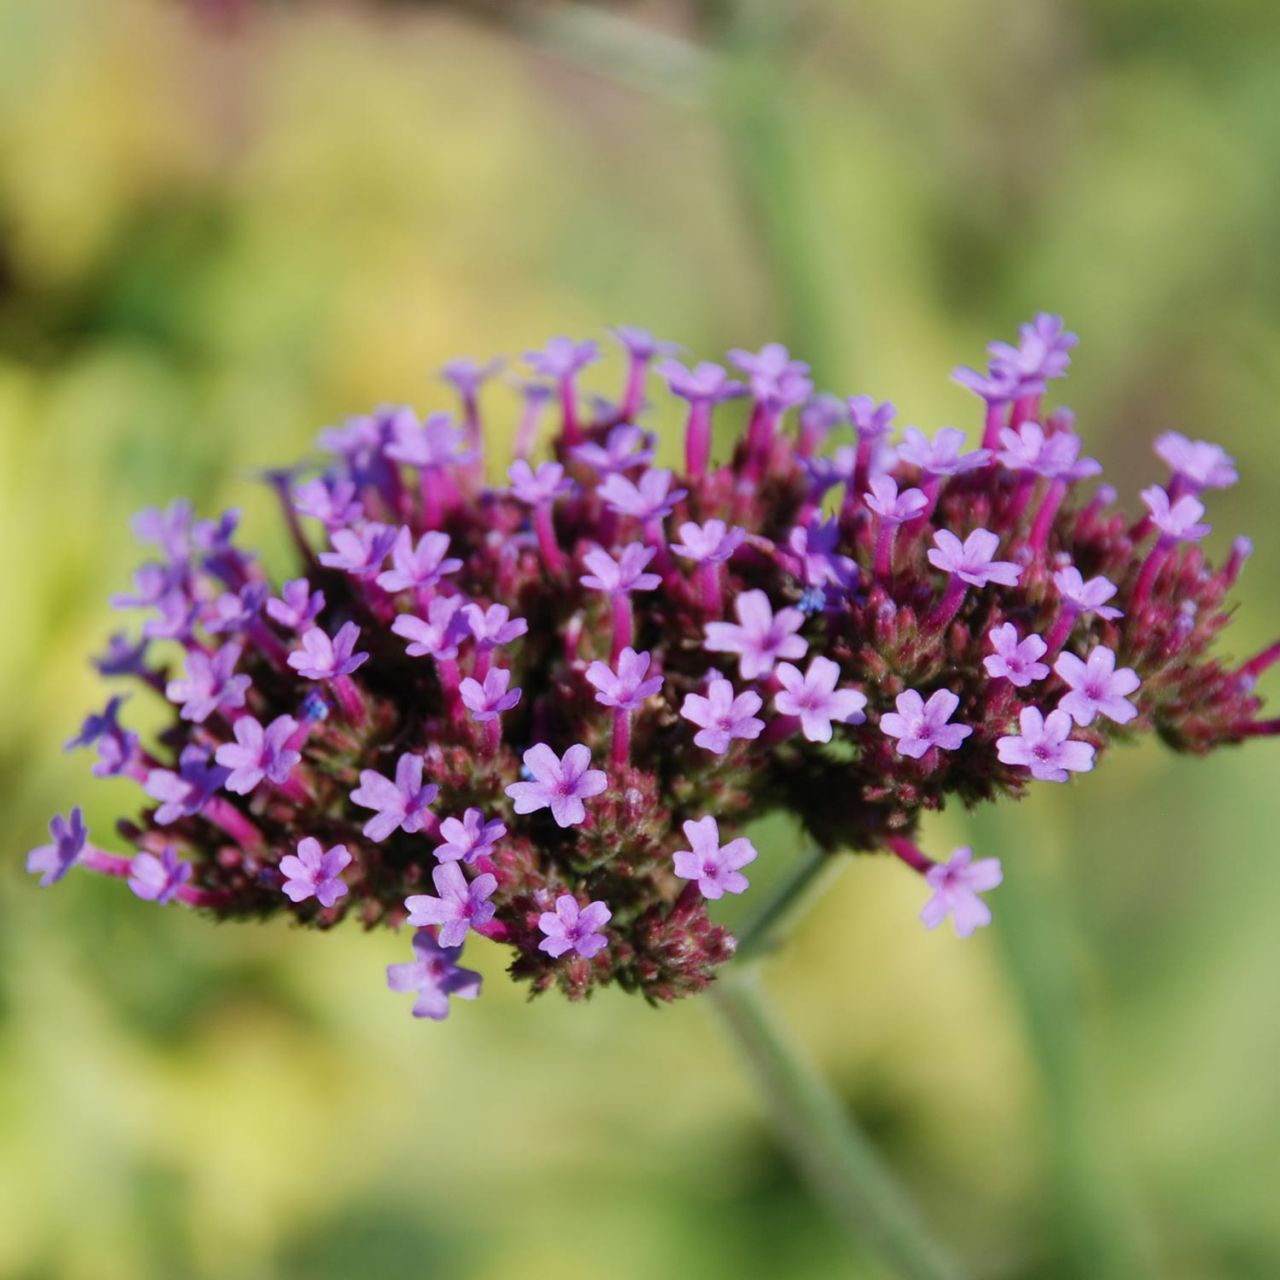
(222, 229)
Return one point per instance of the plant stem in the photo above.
(759, 935)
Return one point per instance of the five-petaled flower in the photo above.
(435, 975)
(919, 725)
(487, 700)
(1017, 661)
(460, 906)
(184, 793)
(1097, 688)
(943, 455)
(649, 498)
(973, 560)
(891, 506)
(814, 698)
(259, 753)
(471, 837)
(52, 861)
(322, 658)
(717, 868)
(1045, 746)
(298, 606)
(722, 716)
(627, 688)
(710, 543)
(956, 884)
(559, 783)
(315, 872)
(436, 636)
(211, 684)
(402, 805)
(158, 879)
(415, 567)
(1177, 521)
(1201, 464)
(760, 637)
(623, 575)
(573, 928)
(359, 552)
(1086, 597)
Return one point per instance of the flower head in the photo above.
(359, 552)
(1043, 352)
(956, 885)
(435, 975)
(625, 446)
(457, 906)
(402, 805)
(1045, 746)
(717, 868)
(814, 697)
(184, 793)
(1013, 659)
(493, 626)
(298, 606)
(558, 783)
(626, 688)
(52, 861)
(467, 375)
(562, 357)
(573, 928)
(538, 487)
(722, 715)
(706, 383)
(760, 637)
(117, 746)
(1097, 688)
(315, 872)
(919, 725)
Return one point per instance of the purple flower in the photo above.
(717, 868)
(573, 928)
(1097, 688)
(641, 344)
(625, 446)
(158, 879)
(439, 635)
(323, 659)
(760, 638)
(621, 576)
(437, 443)
(871, 421)
(298, 606)
(972, 561)
(315, 872)
(1041, 353)
(998, 385)
(1045, 746)
(489, 700)
(537, 487)
(776, 380)
(467, 376)
(211, 684)
(331, 502)
(435, 975)
(1053, 455)
(402, 805)
(1086, 597)
(722, 716)
(123, 657)
(259, 753)
(493, 626)
(919, 725)
(176, 621)
(649, 499)
(359, 552)
(169, 530)
(1177, 521)
(956, 885)
(52, 861)
(562, 357)
(1201, 464)
(710, 543)
(706, 383)
(1017, 661)
(154, 585)
(459, 907)
(421, 566)
(235, 610)
(184, 794)
(941, 456)
(117, 746)
(814, 697)
(890, 505)
(559, 783)
(819, 418)
(470, 838)
(626, 689)
(814, 545)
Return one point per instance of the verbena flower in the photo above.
(561, 689)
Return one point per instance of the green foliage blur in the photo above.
(217, 236)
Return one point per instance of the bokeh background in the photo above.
(224, 225)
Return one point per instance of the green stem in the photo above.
(760, 934)
(841, 1166)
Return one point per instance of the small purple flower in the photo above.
(717, 868)
(298, 606)
(435, 975)
(710, 543)
(818, 419)
(919, 725)
(235, 610)
(1086, 597)
(176, 621)
(415, 567)
(211, 684)
(537, 487)
(814, 545)
(573, 928)
(1097, 688)
(559, 783)
(333, 503)
(154, 585)
(722, 716)
(625, 446)
(998, 385)
(626, 689)
(259, 753)
(471, 838)
(871, 421)
(562, 357)
(1054, 455)
(315, 872)
(467, 376)
(1041, 353)
(973, 560)
(52, 861)
(359, 552)
(941, 456)
(641, 344)
(1014, 660)
(438, 442)
(439, 635)
(707, 383)
(169, 530)
(1045, 746)
(890, 505)
(776, 379)
(184, 794)
(1201, 464)
(623, 575)
(489, 700)
(124, 657)
(158, 879)
(321, 658)
(760, 637)
(1177, 521)
(814, 697)
(493, 626)
(460, 906)
(650, 498)
(117, 746)
(402, 805)
(956, 885)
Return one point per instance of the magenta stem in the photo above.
(1261, 729)
(569, 410)
(545, 529)
(224, 815)
(1047, 514)
(450, 680)
(697, 439)
(484, 660)
(709, 586)
(527, 430)
(621, 607)
(1267, 658)
(950, 603)
(432, 499)
(350, 700)
(884, 549)
(107, 864)
(779, 729)
(1025, 409)
(1061, 629)
(656, 537)
(993, 426)
(493, 735)
(620, 747)
(906, 851)
(861, 468)
(1151, 567)
(633, 396)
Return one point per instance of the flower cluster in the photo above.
(539, 701)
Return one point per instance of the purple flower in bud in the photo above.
(890, 505)
(52, 861)
(1177, 521)
(185, 793)
(211, 684)
(116, 745)
(1086, 597)
(573, 928)
(919, 725)
(650, 498)
(321, 658)
(956, 885)
(706, 383)
(414, 567)
(298, 606)
(760, 637)
(972, 561)
(559, 783)
(158, 879)
(1014, 660)
(562, 358)
(722, 716)
(259, 753)
(1045, 746)
(627, 688)
(402, 805)
(489, 700)
(625, 446)
(439, 635)
(717, 868)
(459, 907)
(1199, 463)
(471, 838)
(359, 552)
(1097, 688)
(710, 543)
(537, 487)
(623, 575)
(493, 626)
(331, 502)
(435, 975)
(814, 698)
(315, 872)
(941, 456)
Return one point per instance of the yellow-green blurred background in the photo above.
(218, 234)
